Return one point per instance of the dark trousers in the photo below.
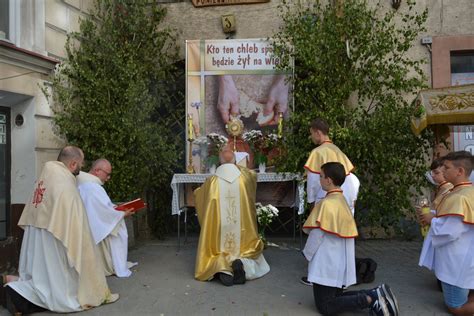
(17, 303)
(333, 300)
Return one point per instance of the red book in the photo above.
(135, 205)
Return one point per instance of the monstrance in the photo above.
(235, 128)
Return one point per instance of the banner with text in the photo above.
(228, 79)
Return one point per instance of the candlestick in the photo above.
(190, 128)
(190, 167)
(280, 125)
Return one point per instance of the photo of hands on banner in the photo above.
(260, 97)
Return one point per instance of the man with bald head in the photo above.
(229, 246)
(58, 264)
(107, 224)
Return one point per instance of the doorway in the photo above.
(5, 171)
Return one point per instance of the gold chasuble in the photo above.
(458, 202)
(57, 207)
(332, 215)
(327, 152)
(225, 205)
(441, 190)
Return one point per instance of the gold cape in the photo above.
(209, 258)
(458, 202)
(327, 152)
(333, 216)
(56, 206)
(441, 190)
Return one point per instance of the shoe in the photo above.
(390, 299)
(369, 276)
(361, 270)
(226, 279)
(239, 272)
(304, 280)
(378, 307)
(112, 298)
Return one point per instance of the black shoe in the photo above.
(304, 280)
(361, 270)
(226, 279)
(392, 303)
(369, 276)
(378, 307)
(239, 272)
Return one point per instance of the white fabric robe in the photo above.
(331, 259)
(350, 189)
(107, 224)
(47, 278)
(448, 250)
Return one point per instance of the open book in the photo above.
(135, 205)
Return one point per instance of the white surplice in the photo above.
(448, 250)
(350, 189)
(59, 269)
(331, 259)
(107, 225)
(47, 278)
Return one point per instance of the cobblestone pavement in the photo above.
(163, 283)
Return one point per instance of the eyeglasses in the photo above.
(106, 173)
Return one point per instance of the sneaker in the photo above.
(304, 280)
(378, 307)
(392, 303)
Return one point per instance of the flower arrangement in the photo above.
(265, 215)
(260, 144)
(215, 145)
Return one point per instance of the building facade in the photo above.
(32, 38)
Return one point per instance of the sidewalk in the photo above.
(163, 283)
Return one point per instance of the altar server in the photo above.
(330, 253)
(107, 224)
(328, 152)
(229, 246)
(59, 269)
(448, 249)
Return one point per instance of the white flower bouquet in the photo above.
(216, 143)
(265, 215)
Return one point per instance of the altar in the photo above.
(293, 198)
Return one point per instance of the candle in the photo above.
(190, 128)
(280, 124)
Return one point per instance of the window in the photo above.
(4, 19)
(9, 17)
(462, 67)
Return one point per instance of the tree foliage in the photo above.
(352, 68)
(112, 95)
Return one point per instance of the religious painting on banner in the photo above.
(229, 80)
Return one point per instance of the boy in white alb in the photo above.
(330, 252)
(325, 152)
(448, 248)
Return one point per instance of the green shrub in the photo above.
(352, 68)
(112, 98)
